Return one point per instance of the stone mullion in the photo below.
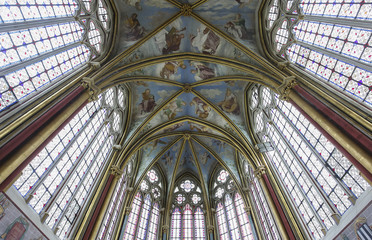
(337, 56)
(67, 177)
(346, 189)
(39, 58)
(315, 183)
(76, 190)
(299, 186)
(56, 161)
(16, 26)
(260, 203)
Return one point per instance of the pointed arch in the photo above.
(230, 210)
(321, 182)
(187, 208)
(42, 44)
(144, 219)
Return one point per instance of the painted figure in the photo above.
(230, 103)
(236, 28)
(201, 71)
(205, 41)
(198, 127)
(167, 157)
(133, 29)
(148, 102)
(173, 40)
(171, 68)
(16, 230)
(153, 145)
(243, 3)
(201, 108)
(173, 107)
(134, 3)
(204, 158)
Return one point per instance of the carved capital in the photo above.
(283, 65)
(128, 210)
(94, 65)
(286, 87)
(165, 228)
(116, 147)
(116, 171)
(247, 210)
(210, 228)
(186, 10)
(260, 170)
(93, 90)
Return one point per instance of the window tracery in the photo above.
(321, 182)
(187, 220)
(328, 39)
(144, 218)
(60, 178)
(232, 219)
(41, 42)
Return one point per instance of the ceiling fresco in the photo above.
(188, 73)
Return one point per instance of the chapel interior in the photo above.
(186, 119)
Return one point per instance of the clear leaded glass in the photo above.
(331, 40)
(320, 181)
(59, 179)
(41, 42)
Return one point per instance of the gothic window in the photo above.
(232, 219)
(143, 220)
(116, 203)
(321, 182)
(187, 220)
(259, 202)
(331, 40)
(60, 178)
(42, 41)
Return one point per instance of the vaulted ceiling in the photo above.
(188, 65)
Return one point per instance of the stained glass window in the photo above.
(320, 181)
(116, 202)
(260, 205)
(187, 214)
(143, 221)
(199, 224)
(232, 219)
(223, 230)
(61, 177)
(131, 226)
(176, 225)
(331, 40)
(41, 42)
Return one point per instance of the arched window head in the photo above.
(143, 220)
(331, 40)
(187, 220)
(232, 219)
(112, 216)
(62, 176)
(42, 43)
(320, 181)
